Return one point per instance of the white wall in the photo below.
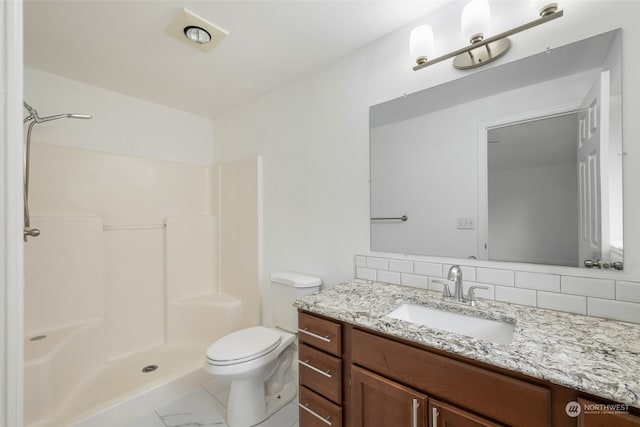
(241, 234)
(537, 206)
(313, 132)
(121, 124)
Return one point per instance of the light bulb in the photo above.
(475, 20)
(197, 34)
(421, 43)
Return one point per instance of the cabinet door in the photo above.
(379, 402)
(599, 418)
(443, 415)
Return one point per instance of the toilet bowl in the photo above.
(258, 360)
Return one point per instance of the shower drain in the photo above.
(149, 368)
(38, 338)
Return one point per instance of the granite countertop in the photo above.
(596, 356)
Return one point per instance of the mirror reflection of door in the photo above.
(533, 191)
(552, 183)
(593, 142)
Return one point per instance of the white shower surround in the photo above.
(90, 337)
(125, 273)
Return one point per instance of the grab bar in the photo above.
(401, 218)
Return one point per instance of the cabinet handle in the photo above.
(313, 368)
(434, 417)
(414, 413)
(306, 331)
(318, 416)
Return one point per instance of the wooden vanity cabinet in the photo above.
(492, 395)
(379, 402)
(363, 378)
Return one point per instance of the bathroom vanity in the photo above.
(362, 368)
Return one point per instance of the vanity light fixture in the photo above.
(475, 20)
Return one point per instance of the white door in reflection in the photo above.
(593, 141)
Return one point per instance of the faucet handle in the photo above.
(446, 290)
(471, 295)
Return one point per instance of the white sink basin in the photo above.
(471, 326)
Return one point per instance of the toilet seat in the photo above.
(243, 346)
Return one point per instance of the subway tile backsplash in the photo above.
(414, 280)
(628, 291)
(611, 299)
(377, 263)
(401, 265)
(516, 296)
(538, 281)
(495, 276)
(562, 302)
(618, 310)
(389, 277)
(428, 269)
(589, 287)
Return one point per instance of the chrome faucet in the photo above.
(455, 275)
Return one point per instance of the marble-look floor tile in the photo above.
(206, 406)
(216, 386)
(284, 417)
(222, 397)
(219, 389)
(197, 408)
(150, 420)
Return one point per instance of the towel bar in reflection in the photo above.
(401, 218)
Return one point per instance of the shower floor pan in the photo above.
(69, 382)
(120, 391)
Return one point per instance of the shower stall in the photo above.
(122, 287)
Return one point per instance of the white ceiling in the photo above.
(122, 46)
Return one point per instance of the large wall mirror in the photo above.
(521, 162)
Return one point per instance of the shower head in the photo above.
(62, 116)
(33, 115)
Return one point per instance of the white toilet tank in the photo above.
(286, 287)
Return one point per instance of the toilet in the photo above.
(258, 360)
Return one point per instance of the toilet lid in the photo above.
(244, 345)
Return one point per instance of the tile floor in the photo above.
(206, 406)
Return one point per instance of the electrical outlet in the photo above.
(466, 224)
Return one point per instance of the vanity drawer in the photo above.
(316, 411)
(503, 398)
(320, 333)
(321, 373)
